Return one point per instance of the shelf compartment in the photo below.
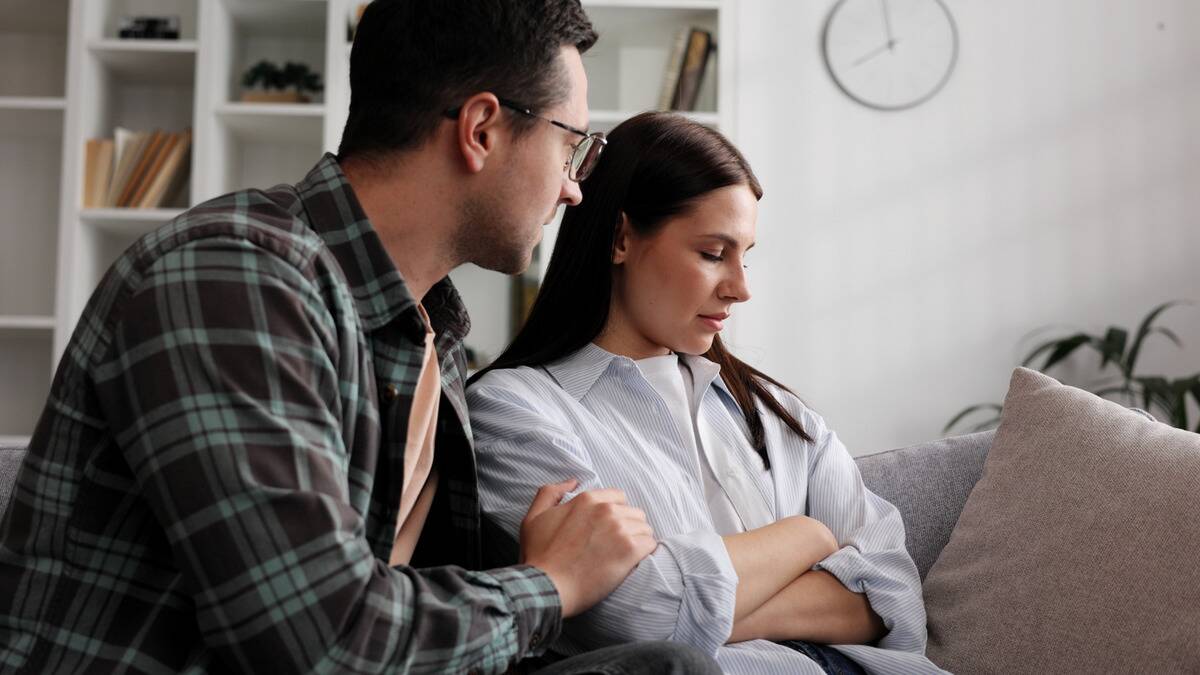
(33, 47)
(281, 18)
(279, 32)
(147, 61)
(29, 191)
(25, 360)
(300, 122)
(113, 10)
(37, 17)
(627, 68)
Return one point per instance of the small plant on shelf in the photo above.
(266, 82)
(1166, 398)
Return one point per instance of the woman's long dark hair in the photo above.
(656, 165)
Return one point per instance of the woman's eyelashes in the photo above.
(718, 257)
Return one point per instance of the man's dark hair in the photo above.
(414, 59)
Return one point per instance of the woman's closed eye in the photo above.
(718, 257)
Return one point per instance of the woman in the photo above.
(770, 547)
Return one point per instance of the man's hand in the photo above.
(587, 546)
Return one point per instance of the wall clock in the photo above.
(890, 54)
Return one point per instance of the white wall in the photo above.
(905, 258)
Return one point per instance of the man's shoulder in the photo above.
(271, 220)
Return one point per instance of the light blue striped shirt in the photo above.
(594, 417)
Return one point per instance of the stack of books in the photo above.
(136, 169)
(686, 66)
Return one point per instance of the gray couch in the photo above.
(929, 483)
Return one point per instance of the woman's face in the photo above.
(673, 290)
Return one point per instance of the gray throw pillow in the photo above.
(1079, 549)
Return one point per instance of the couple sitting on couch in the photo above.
(259, 452)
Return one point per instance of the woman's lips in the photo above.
(714, 321)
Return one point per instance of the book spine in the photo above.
(666, 95)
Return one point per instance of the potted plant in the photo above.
(266, 82)
(1165, 398)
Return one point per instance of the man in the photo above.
(255, 454)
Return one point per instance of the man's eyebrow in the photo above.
(726, 239)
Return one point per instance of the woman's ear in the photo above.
(621, 240)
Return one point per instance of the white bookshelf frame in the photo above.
(192, 82)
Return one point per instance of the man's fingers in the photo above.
(549, 496)
(602, 495)
(625, 512)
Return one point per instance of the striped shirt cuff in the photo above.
(536, 606)
(708, 581)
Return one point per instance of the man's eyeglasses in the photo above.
(583, 154)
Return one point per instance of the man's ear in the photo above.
(477, 129)
(621, 240)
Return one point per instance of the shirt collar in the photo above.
(380, 295)
(577, 373)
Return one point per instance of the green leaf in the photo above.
(1113, 348)
(1168, 333)
(1196, 395)
(1059, 349)
(1168, 396)
(1044, 347)
(1119, 389)
(1065, 347)
(960, 416)
(1143, 331)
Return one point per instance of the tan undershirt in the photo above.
(420, 480)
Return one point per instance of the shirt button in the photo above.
(390, 392)
(535, 640)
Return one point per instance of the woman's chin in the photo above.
(696, 346)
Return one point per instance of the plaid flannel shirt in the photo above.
(214, 483)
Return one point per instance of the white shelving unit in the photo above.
(33, 53)
(65, 77)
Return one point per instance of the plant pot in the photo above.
(260, 96)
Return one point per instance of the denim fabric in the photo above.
(831, 660)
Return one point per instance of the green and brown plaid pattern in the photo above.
(213, 485)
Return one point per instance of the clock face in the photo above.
(890, 54)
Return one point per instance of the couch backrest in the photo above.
(929, 484)
(10, 460)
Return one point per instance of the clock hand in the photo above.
(867, 57)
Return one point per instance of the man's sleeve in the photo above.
(222, 385)
(684, 591)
